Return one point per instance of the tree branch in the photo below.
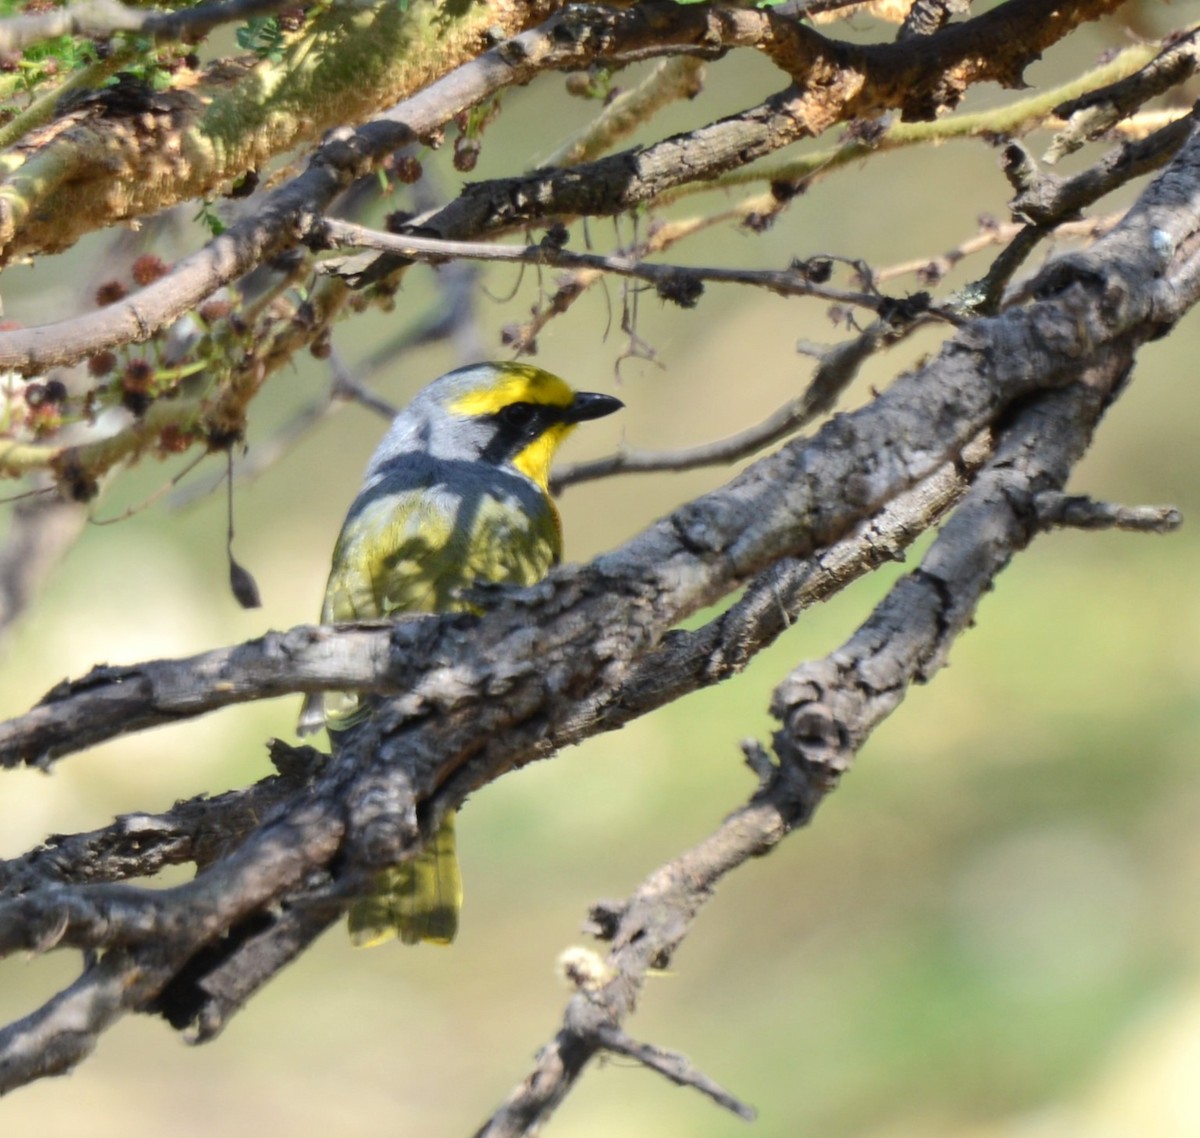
(199, 831)
(674, 282)
(1091, 115)
(1055, 509)
(835, 372)
(827, 710)
(466, 698)
(721, 540)
(117, 154)
(835, 82)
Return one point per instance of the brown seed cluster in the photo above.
(148, 268)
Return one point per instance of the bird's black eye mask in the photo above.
(519, 424)
(521, 416)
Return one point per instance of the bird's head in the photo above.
(505, 414)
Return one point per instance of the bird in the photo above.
(455, 496)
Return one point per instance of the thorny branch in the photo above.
(983, 435)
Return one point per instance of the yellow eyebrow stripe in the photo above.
(517, 384)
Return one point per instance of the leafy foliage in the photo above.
(264, 36)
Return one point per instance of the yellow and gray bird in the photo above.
(456, 495)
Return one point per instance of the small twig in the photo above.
(345, 388)
(41, 530)
(672, 281)
(755, 211)
(26, 495)
(1045, 201)
(759, 760)
(158, 494)
(928, 16)
(1090, 115)
(1055, 509)
(679, 77)
(348, 388)
(671, 1065)
(647, 930)
(838, 367)
(933, 269)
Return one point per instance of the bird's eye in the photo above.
(518, 415)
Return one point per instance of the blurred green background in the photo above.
(992, 926)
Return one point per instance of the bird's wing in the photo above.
(420, 550)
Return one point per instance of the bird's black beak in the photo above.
(590, 405)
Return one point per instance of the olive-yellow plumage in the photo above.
(455, 495)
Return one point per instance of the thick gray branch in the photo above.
(198, 831)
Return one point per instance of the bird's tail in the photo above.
(416, 900)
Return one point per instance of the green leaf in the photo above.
(207, 216)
